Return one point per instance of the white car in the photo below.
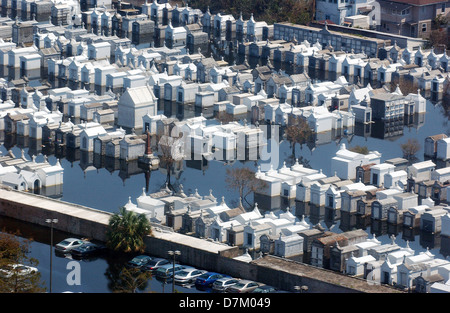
(222, 284)
(68, 244)
(19, 269)
(188, 275)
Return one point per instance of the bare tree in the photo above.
(170, 150)
(360, 149)
(299, 132)
(244, 181)
(410, 148)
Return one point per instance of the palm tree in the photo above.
(127, 230)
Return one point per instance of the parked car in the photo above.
(68, 244)
(265, 289)
(166, 271)
(207, 279)
(139, 261)
(154, 264)
(243, 286)
(188, 275)
(87, 249)
(10, 270)
(222, 284)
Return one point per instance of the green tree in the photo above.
(14, 252)
(127, 230)
(129, 280)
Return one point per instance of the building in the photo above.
(411, 18)
(340, 41)
(387, 106)
(345, 162)
(430, 145)
(134, 104)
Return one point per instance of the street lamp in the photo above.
(173, 253)
(51, 221)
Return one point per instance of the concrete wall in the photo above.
(37, 214)
(91, 223)
(402, 41)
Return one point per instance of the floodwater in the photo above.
(96, 275)
(108, 185)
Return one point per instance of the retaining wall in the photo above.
(91, 223)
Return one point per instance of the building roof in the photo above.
(420, 2)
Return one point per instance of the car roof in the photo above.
(227, 278)
(212, 273)
(169, 266)
(190, 269)
(87, 243)
(71, 239)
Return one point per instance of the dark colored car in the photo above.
(139, 261)
(154, 264)
(208, 279)
(87, 249)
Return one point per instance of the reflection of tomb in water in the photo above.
(445, 246)
(267, 203)
(363, 130)
(348, 221)
(436, 96)
(430, 240)
(410, 233)
(34, 146)
(441, 163)
(72, 155)
(387, 129)
(393, 229)
(197, 162)
(86, 161)
(316, 213)
(22, 141)
(378, 227)
(302, 208)
(98, 160)
(128, 169)
(331, 216)
(60, 152)
(415, 120)
(287, 204)
(111, 164)
(363, 222)
(9, 140)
